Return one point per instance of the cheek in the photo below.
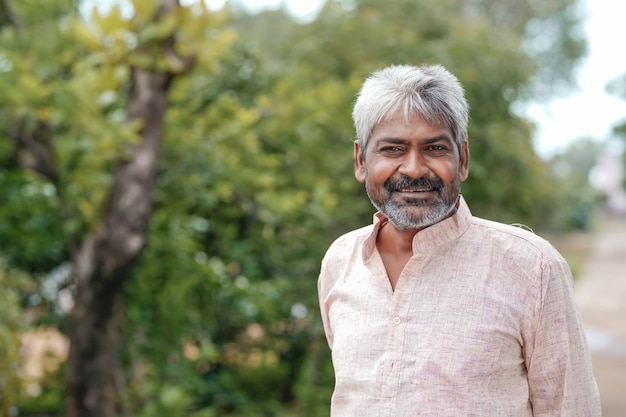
(380, 171)
(375, 179)
(448, 171)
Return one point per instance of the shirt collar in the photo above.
(438, 234)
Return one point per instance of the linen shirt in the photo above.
(482, 322)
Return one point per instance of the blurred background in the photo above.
(171, 174)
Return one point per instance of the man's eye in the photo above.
(437, 148)
(391, 149)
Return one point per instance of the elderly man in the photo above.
(430, 311)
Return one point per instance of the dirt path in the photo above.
(601, 296)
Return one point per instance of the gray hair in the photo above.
(429, 90)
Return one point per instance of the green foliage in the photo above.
(31, 234)
(49, 401)
(255, 174)
(229, 242)
(13, 286)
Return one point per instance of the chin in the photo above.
(416, 217)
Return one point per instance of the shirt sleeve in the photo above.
(560, 375)
(323, 285)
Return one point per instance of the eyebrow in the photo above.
(400, 141)
(440, 138)
(392, 140)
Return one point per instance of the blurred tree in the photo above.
(551, 35)
(578, 198)
(618, 88)
(105, 256)
(88, 117)
(236, 225)
(13, 285)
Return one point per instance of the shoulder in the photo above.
(341, 256)
(345, 245)
(514, 239)
(519, 256)
(345, 253)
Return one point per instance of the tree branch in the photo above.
(8, 16)
(36, 150)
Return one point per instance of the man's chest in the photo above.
(435, 320)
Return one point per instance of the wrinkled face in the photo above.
(412, 171)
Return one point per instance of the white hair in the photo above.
(429, 90)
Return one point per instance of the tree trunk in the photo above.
(8, 16)
(104, 261)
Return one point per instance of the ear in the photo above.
(464, 161)
(359, 162)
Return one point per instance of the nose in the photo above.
(413, 165)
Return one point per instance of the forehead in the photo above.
(397, 125)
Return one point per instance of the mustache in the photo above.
(405, 182)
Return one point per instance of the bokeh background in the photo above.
(172, 174)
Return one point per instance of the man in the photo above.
(431, 311)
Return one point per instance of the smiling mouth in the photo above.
(413, 190)
(416, 187)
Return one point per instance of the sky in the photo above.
(302, 8)
(588, 111)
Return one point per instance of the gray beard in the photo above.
(403, 219)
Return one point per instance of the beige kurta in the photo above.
(482, 323)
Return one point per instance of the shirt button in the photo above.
(396, 320)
